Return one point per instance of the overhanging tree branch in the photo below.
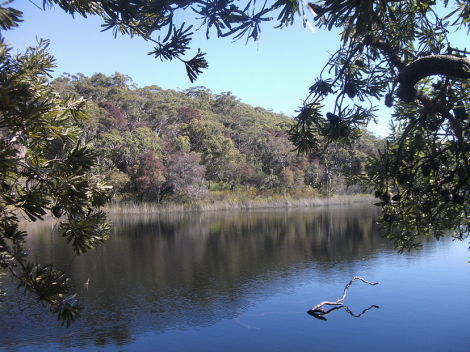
(445, 65)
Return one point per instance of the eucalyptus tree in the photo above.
(218, 154)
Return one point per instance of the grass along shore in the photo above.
(236, 204)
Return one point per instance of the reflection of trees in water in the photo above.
(194, 269)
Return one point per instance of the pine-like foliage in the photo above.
(45, 166)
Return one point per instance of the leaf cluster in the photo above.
(51, 287)
(9, 17)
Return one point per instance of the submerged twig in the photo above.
(319, 307)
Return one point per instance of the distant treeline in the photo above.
(189, 146)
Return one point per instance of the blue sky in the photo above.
(274, 74)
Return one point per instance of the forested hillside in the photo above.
(188, 146)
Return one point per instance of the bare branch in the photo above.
(319, 307)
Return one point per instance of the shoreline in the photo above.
(147, 208)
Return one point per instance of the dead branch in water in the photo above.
(319, 315)
(319, 307)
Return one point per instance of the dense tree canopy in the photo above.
(227, 144)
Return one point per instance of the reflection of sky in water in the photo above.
(232, 281)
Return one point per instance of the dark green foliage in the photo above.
(53, 288)
(225, 142)
(9, 17)
(85, 231)
(45, 165)
(402, 51)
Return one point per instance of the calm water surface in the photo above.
(233, 281)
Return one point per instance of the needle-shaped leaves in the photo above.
(172, 47)
(289, 9)
(175, 46)
(195, 65)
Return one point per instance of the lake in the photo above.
(244, 281)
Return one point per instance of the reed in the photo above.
(235, 203)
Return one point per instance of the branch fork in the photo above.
(319, 307)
